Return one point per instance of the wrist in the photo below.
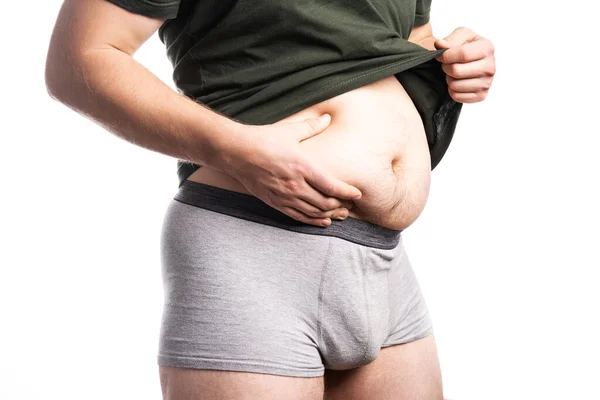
(228, 146)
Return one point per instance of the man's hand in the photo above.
(469, 65)
(267, 160)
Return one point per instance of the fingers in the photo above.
(312, 126)
(469, 64)
(471, 97)
(319, 200)
(299, 216)
(468, 52)
(315, 204)
(311, 202)
(327, 184)
(347, 204)
(311, 210)
(469, 85)
(475, 69)
(459, 36)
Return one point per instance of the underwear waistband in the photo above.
(251, 208)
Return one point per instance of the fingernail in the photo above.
(326, 222)
(343, 214)
(326, 118)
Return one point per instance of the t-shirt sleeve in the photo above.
(151, 8)
(422, 12)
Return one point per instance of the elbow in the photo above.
(51, 76)
(61, 74)
(52, 90)
(50, 85)
(54, 79)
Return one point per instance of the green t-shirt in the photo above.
(260, 61)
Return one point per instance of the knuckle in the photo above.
(491, 69)
(314, 212)
(454, 70)
(458, 97)
(329, 188)
(292, 185)
(332, 203)
(329, 214)
(466, 31)
(298, 167)
(446, 69)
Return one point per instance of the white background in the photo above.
(506, 251)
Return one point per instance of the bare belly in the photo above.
(376, 142)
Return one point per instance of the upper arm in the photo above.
(422, 10)
(422, 32)
(84, 25)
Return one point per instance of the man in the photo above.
(90, 68)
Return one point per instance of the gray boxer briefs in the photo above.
(248, 288)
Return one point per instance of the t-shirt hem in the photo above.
(150, 8)
(421, 19)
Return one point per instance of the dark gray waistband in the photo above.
(251, 208)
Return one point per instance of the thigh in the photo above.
(408, 371)
(239, 317)
(195, 384)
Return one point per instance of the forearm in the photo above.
(427, 42)
(423, 36)
(110, 87)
